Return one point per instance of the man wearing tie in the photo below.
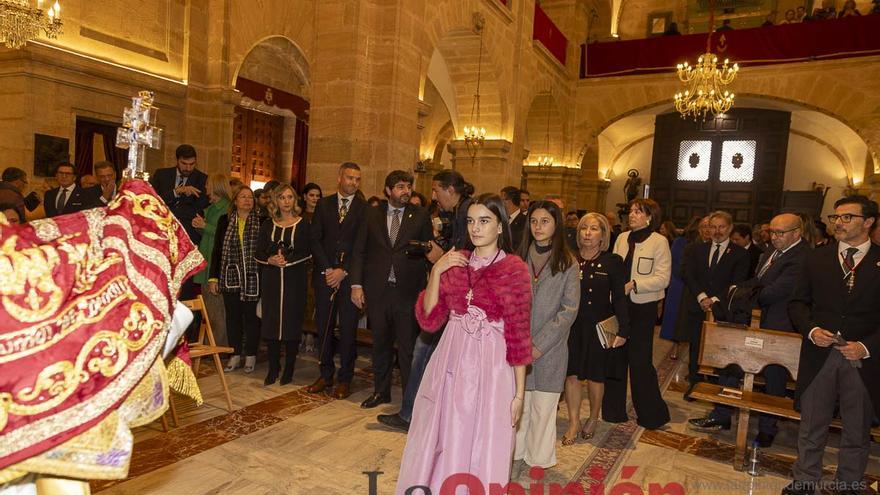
(779, 271)
(334, 226)
(713, 267)
(835, 307)
(67, 197)
(182, 187)
(388, 280)
(106, 187)
(516, 218)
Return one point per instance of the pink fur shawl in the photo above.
(503, 290)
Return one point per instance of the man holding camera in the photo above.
(388, 270)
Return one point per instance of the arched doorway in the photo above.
(270, 128)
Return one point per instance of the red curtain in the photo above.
(833, 38)
(300, 154)
(85, 135)
(549, 35)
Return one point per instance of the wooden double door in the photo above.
(256, 145)
(733, 162)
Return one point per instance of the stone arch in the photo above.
(449, 28)
(827, 146)
(545, 129)
(814, 86)
(278, 62)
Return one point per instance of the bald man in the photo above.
(777, 274)
(705, 229)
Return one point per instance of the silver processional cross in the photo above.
(137, 133)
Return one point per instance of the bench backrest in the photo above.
(752, 349)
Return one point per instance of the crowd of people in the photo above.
(828, 10)
(495, 307)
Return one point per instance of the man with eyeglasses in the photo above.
(778, 272)
(68, 197)
(835, 307)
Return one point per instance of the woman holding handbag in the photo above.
(602, 277)
(282, 252)
(647, 263)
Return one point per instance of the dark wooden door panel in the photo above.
(724, 147)
(256, 145)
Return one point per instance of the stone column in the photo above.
(490, 169)
(592, 193)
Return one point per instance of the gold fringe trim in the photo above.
(182, 380)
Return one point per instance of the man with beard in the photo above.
(335, 223)
(453, 195)
(388, 280)
(834, 306)
(182, 187)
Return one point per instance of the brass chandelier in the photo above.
(24, 20)
(546, 160)
(475, 134)
(705, 83)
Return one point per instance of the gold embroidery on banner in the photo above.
(150, 207)
(46, 229)
(28, 272)
(95, 406)
(84, 311)
(58, 381)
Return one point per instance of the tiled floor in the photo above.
(281, 440)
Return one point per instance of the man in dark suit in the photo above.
(388, 280)
(741, 235)
(106, 188)
(779, 271)
(67, 197)
(516, 218)
(334, 226)
(713, 267)
(182, 187)
(835, 308)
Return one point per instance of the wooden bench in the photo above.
(752, 349)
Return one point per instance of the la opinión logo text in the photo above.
(537, 486)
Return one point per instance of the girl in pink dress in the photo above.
(471, 397)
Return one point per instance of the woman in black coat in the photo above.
(602, 296)
(282, 252)
(234, 273)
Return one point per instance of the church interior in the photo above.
(572, 98)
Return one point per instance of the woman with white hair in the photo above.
(602, 280)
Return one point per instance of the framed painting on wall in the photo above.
(658, 23)
(49, 151)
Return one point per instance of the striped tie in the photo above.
(343, 210)
(395, 230)
(768, 263)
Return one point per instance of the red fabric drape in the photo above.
(85, 134)
(300, 154)
(549, 35)
(833, 38)
(83, 159)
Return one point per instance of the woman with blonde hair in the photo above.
(219, 192)
(602, 279)
(282, 252)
